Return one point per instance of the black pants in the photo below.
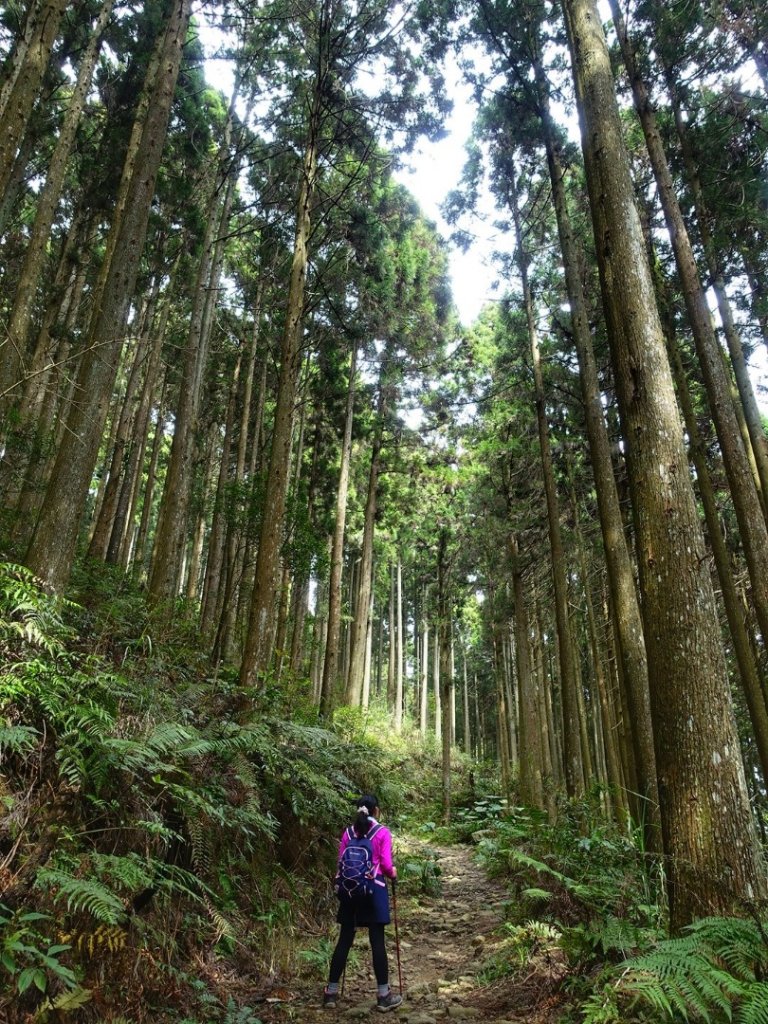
(378, 951)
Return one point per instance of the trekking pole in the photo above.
(397, 935)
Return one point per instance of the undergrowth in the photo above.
(150, 828)
(585, 926)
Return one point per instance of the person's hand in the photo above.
(394, 872)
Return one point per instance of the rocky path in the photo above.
(445, 941)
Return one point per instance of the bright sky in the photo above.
(433, 171)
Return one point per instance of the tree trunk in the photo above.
(194, 539)
(15, 61)
(752, 523)
(172, 522)
(399, 651)
(532, 729)
(360, 626)
(14, 118)
(140, 548)
(259, 638)
(620, 574)
(442, 634)
(424, 685)
(754, 438)
(366, 696)
(748, 672)
(214, 566)
(118, 451)
(607, 726)
(118, 550)
(331, 664)
(713, 862)
(52, 548)
(318, 634)
(574, 772)
(436, 687)
(29, 277)
(465, 709)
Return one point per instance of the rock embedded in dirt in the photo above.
(420, 989)
(358, 1012)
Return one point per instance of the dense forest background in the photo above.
(277, 527)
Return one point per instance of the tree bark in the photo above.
(258, 644)
(118, 550)
(752, 685)
(214, 566)
(532, 730)
(746, 500)
(14, 118)
(118, 452)
(15, 61)
(713, 863)
(750, 422)
(331, 663)
(14, 365)
(398, 718)
(621, 578)
(172, 521)
(574, 772)
(443, 636)
(424, 686)
(359, 626)
(140, 548)
(52, 548)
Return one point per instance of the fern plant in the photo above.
(713, 973)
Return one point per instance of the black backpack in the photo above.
(354, 879)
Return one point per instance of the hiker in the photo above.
(365, 857)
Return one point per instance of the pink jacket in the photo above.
(382, 851)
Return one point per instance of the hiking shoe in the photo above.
(388, 1002)
(330, 999)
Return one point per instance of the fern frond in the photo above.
(83, 894)
(754, 1007)
(736, 941)
(200, 841)
(705, 973)
(534, 893)
(17, 739)
(129, 872)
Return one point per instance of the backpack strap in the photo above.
(373, 831)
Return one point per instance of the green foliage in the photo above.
(711, 973)
(419, 872)
(27, 956)
(587, 874)
(596, 903)
(468, 821)
(83, 894)
(31, 618)
(176, 824)
(520, 946)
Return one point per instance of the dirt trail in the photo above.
(444, 942)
